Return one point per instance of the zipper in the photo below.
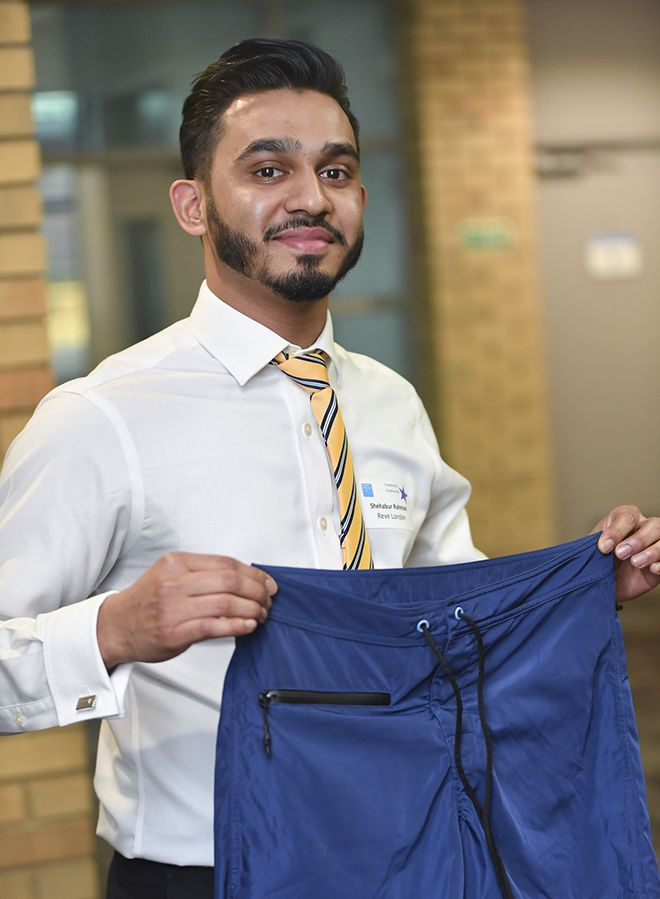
(314, 697)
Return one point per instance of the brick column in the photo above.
(46, 826)
(24, 374)
(469, 86)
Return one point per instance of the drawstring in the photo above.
(483, 813)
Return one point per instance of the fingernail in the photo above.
(623, 550)
(250, 624)
(607, 545)
(271, 586)
(640, 560)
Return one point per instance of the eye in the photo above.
(268, 173)
(334, 175)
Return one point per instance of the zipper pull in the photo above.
(264, 702)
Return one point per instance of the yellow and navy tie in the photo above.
(310, 371)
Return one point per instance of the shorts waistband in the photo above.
(386, 605)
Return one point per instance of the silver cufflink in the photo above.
(86, 703)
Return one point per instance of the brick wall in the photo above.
(469, 77)
(24, 375)
(46, 826)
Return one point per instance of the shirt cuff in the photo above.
(78, 680)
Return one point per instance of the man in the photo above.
(135, 499)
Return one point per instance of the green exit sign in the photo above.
(487, 235)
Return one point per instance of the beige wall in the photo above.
(46, 827)
(596, 98)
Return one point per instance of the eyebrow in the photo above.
(271, 145)
(291, 145)
(339, 148)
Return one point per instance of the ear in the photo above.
(187, 199)
(363, 191)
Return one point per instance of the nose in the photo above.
(307, 194)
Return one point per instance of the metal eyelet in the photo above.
(420, 625)
(458, 613)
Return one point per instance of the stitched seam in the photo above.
(131, 460)
(346, 635)
(235, 830)
(614, 651)
(135, 745)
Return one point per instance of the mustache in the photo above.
(301, 221)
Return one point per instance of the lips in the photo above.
(306, 240)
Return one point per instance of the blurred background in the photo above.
(511, 149)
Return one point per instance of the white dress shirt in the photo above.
(189, 440)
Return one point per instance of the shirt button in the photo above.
(323, 523)
(307, 429)
(20, 720)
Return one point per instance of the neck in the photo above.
(299, 323)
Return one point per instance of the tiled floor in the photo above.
(641, 627)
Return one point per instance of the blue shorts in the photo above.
(460, 732)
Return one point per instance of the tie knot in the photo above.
(310, 370)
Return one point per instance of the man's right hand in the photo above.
(180, 600)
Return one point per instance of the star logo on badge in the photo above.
(404, 495)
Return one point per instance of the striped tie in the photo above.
(310, 371)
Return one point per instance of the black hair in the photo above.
(249, 67)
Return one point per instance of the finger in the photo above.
(639, 540)
(643, 547)
(211, 628)
(622, 521)
(236, 582)
(221, 605)
(207, 562)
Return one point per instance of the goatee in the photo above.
(308, 282)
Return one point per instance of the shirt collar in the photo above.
(241, 344)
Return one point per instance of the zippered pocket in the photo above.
(315, 697)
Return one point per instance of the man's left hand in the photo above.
(635, 541)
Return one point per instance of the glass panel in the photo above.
(128, 65)
(362, 36)
(379, 332)
(382, 269)
(56, 115)
(144, 263)
(67, 321)
(131, 70)
(140, 118)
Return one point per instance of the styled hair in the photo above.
(250, 67)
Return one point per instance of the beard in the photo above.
(307, 282)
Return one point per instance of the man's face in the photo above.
(285, 202)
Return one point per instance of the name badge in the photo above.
(385, 504)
